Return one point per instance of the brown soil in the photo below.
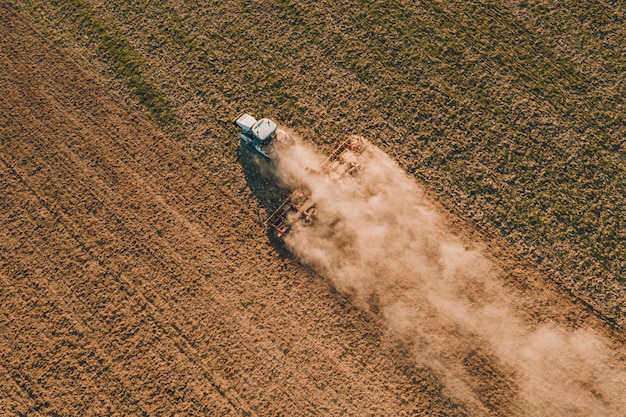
(137, 281)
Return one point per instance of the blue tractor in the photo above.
(261, 136)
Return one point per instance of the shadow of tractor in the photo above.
(262, 181)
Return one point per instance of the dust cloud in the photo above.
(377, 238)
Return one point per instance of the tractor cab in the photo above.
(258, 135)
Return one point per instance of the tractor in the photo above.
(264, 138)
(261, 136)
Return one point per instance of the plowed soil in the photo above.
(136, 278)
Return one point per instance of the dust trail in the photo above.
(377, 238)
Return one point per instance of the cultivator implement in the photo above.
(299, 206)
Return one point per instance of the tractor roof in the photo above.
(264, 129)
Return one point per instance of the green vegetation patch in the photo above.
(118, 53)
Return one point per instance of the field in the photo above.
(136, 274)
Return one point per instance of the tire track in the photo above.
(63, 217)
(71, 264)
